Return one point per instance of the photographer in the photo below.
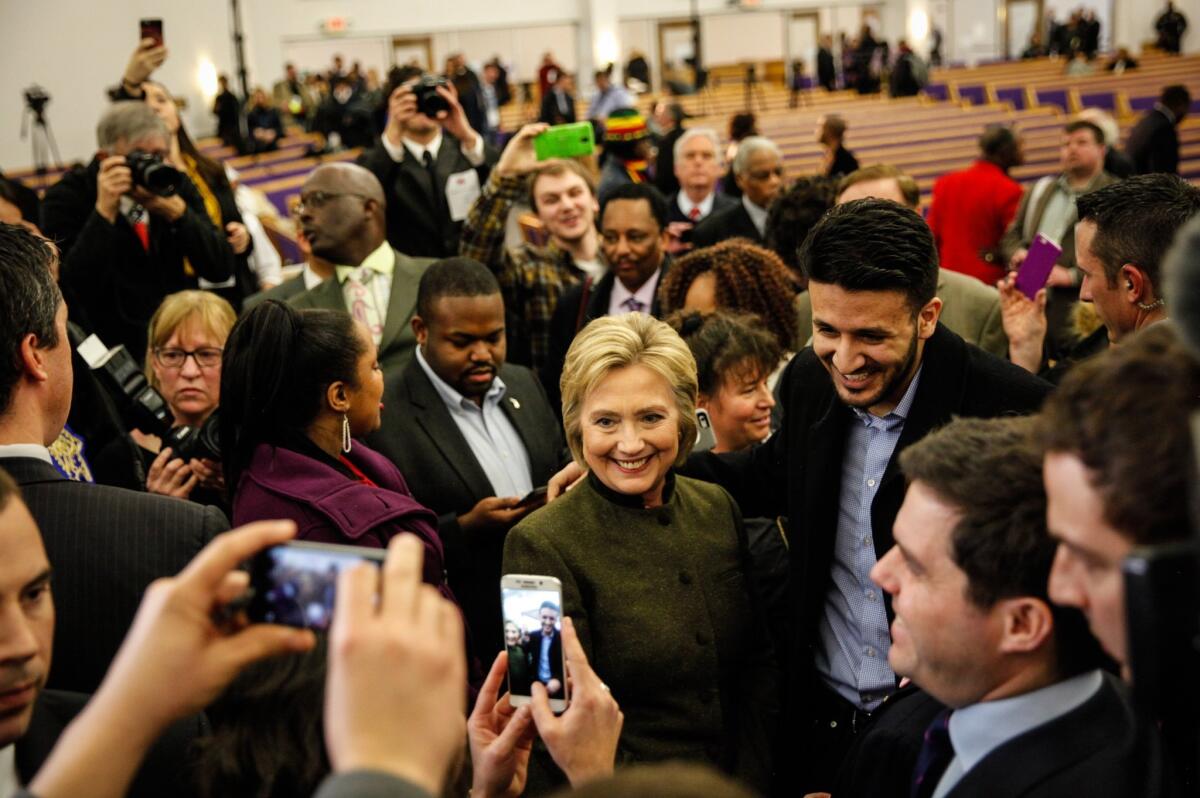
(430, 181)
(125, 247)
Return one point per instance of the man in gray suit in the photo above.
(106, 544)
(472, 435)
(342, 215)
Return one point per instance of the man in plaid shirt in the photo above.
(533, 277)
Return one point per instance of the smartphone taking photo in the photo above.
(1039, 262)
(151, 29)
(532, 607)
(295, 584)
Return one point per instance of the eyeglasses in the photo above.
(764, 174)
(314, 200)
(206, 358)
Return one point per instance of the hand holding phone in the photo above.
(706, 439)
(533, 638)
(151, 29)
(295, 584)
(565, 141)
(537, 496)
(1035, 269)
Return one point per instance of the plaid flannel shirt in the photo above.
(531, 278)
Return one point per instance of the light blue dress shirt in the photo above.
(493, 439)
(854, 637)
(544, 672)
(979, 729)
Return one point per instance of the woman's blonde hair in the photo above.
(613, 342)
(214, 314)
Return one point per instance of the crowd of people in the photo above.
(838, 504)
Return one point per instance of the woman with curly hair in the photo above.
(738, 276)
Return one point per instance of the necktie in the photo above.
(362, 302)
(634, 305)
(431, 170)
(936, 754)
(694, 213)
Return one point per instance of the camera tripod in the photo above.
(40, 134)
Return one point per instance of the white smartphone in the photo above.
(532, 607)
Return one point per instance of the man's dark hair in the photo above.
(990, 472)
(996, 139)
(453, 277)
(549, 605)
(1083, 124)
(1136, 221)
(835, 126)
(793, 214)
(1125, 415)
(1176, 96)
(873, 245)
(29, 300)
(639, 191)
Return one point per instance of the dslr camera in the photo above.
(429, 102)
(152, 174)
(143, 406)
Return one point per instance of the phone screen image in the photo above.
(533, 641)
(295, 584)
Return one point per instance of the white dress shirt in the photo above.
(705, 205)
(9, 782)
(31, 450)
(645, 294)
(474, 155)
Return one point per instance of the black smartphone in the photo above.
(295, 583)
(534, 496)
(151, 29)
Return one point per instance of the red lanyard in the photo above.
(363, 478)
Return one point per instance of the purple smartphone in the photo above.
(1035, 271)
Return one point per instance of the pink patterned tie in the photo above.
(362, 302)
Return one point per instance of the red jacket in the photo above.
(970, 211)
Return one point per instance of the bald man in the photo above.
(969, 307)
(342, 215)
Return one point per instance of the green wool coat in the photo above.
(662, 605)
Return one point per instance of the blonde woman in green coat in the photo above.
(653, 565)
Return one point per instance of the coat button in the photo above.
(685, 578)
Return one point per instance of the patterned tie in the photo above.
(362, 302)
(694, 213)
(936, 754)
(634, 305)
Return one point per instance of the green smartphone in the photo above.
(565, 141)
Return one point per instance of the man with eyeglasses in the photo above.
(316, 270)
(343, 218)
(758, 169)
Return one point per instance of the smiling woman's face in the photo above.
(630, 426)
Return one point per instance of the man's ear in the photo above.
(33, 359)
(928, 316)
(336, 397)
(420, 330)
(1027, 624)
(1134, 285)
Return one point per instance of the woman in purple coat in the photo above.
(297, 388)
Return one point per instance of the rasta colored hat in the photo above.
(625, 124)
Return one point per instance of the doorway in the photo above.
(414, 50)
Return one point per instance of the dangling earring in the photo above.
(346, 442)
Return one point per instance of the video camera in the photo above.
(143, 406)
(152, 174)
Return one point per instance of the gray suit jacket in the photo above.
(1029, 218)
(398, 341)
(283, 292)
(969, 308)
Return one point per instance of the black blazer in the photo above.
(415, 225)
(844, 163)
(721, 202)
(1153, 144)
(569, 319)
(797, 472)
(162, 772)
(731, 222)
(551, 114)
(106, 545)
(533, 649)
(421, 438)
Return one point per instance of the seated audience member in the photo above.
(1123, 234)
(343, 115)
(758, 169)
(741, 126)
(342, 217)
(558, 104)
(1118, 463)
(34, 717)
(627, 149)
(266, 730)
(1012, 699)
(124, 248)
(186, 337)
(971, 209)
(263, 122)
(472, 434)
(107, 544)
(697, 167)
(970, 309)
(532, 277)
(629, 388)
(792, 215)
(430, 168)
(315, 271)
(1116, 163)
(739, 277)
(831, 135)
(1153, 144)
(1048, 208)
(633, 239)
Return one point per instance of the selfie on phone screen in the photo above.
(533, 640)
(296, 584)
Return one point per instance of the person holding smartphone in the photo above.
(652, 565)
